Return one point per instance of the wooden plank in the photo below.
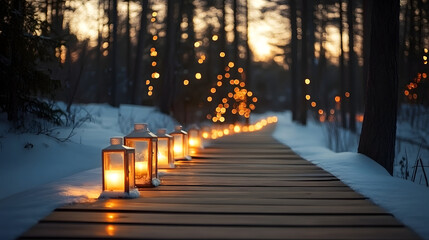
(246, 186)
(223, 220)
(255, 201)
(91, 231)
(134, 206)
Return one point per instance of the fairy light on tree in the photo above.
(154, 56)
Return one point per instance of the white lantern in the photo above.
(180, 141)
(146, 146)
(118, 171)
(165, 149)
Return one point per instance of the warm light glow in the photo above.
(193, 142)
(320, 111)
(209, 99)
(197, 44)
(249, 93)
(313, 104)
(149, 93)
(150, 88)
(141, 168)
(406, 92)
(205, 135)
(307, 97)
(200, 61)
(198, 76)
(332, 111)
(347, 94)
(153, 19)
(155, 38)
(242, 84)
(307, 81)
(215, 37)
(226, 131)
(154, 14)
(213, 90)
(237, 129)
(110, 230)
(227, 75)
(219, 77)
(178, 150)
(231, 64)
(155, 75)
(222, 54)
(153, 64)
(162, 159)
(147, 82)
(240, 70)
(219, 83)
(254, 99)
(186, 82)
(337, 98)
(114, 180)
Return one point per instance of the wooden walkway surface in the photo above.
(246, 186)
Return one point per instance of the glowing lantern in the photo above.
(165, 149)
(180, 141)
(146, 145)
(118, 171)
(194, 138)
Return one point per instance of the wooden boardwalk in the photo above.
(246, 186)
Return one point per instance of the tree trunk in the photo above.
(247, 71)
(294, 64)
(169, 75)
(343, 105)
(235, 43)
(128, 52)
(113, 100)
(377, 139)
(98, 54)
(138, 67)
(304, 66)
(352, 61)
(366, 39)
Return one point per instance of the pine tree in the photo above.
(24, 79)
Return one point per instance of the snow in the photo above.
(53, 173)
(406, 200)
(35, 180)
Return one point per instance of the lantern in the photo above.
(180, 141)
(118, 171)
(146, 145)
(194, 135)
(165, 149)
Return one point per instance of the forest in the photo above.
(214, 61)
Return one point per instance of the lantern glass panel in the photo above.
(154, 153)
(163, 152)
(185, 143)
(114, 171)
(142, 174)
(193, 138)
(131, 169)
(178, 146)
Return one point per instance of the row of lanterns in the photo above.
(133, 161)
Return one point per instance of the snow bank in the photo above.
(39, 173)
(406, 200)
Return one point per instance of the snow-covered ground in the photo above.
(406, 200)
(37, 180)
